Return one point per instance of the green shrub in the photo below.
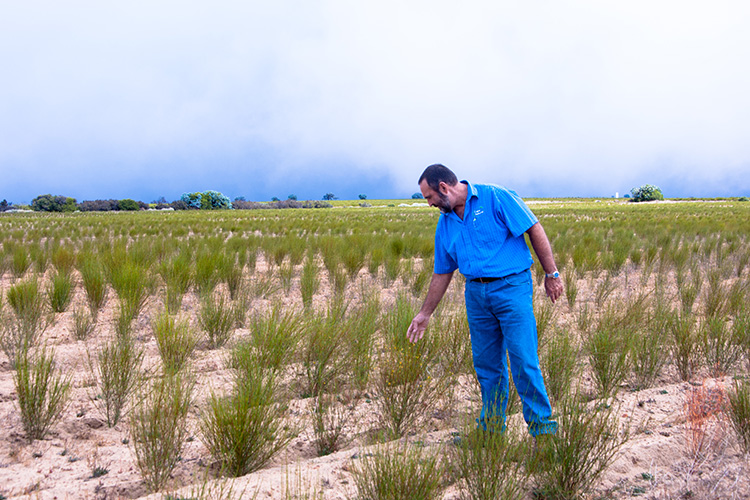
(559, 366)
(83, 324)
(719, 347)
(586, 443)
(647, 192)
(175, 340)
(43, 393)
(216, 318)
(128, 205)
(684, 343)
(158, 427)
(94, 283)
(60, 291)
(738, 411)
(607, 349)
(244, 430)
(118, 373)
(27, 318)
(391, 474)
(486, 464)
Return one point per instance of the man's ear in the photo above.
(443, 188)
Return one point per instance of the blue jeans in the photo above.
(501, 319)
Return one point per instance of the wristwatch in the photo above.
(556, 274)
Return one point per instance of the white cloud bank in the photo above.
(550, 98)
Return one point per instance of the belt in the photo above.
(485, 280)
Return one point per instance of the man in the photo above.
(481, 233)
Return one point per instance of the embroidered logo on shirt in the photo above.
(478, 211)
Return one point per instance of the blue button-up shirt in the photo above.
(488, 242)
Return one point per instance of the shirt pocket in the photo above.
(489, 232)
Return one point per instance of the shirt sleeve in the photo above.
(444, 263)
(513, 211)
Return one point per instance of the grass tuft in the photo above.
(43, 393)
(158, 427)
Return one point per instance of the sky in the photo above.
(143, 99)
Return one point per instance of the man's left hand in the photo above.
(554, 288)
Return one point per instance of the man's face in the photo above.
(436, 198)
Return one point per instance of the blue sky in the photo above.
(259, 99)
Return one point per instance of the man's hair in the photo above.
(437, 173)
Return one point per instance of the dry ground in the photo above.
(656, 462)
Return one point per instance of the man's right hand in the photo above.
(417, 327)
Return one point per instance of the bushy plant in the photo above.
(26, 320)
(43, 392)
(647, 192)
(486, 465)
(216, 318)
(60, 291)
(738, 411)
(607, 349)
(586, 443)
(244, 430)
(158, 427)
(128, 205)
(405, 472)
(175, 340)
(118, 371)
(49, 203)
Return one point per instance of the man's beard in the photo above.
(444, 204)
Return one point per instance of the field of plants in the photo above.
(262, 354)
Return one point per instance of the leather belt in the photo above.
(485, 280)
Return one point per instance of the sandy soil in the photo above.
(656, 462)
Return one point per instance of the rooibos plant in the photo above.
(720, 349)
(406, 472)
(607, 349)
(274, 336)
(245, 429)
(83, 323)
(406, 388)
(158, 427)
(60, 291)
(560, 364)
(216, 318)
(27, 320)
(486, 464)
(309, 281)
(94, 283)
(175, 340)
(118, 373)
(738, 411)
(177, 275)
(684, 343)
(586, 443)
(43, 392)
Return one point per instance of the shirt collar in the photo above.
(472, 193)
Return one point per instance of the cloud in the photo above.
(578, 98)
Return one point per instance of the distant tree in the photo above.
(273, 198)
(647, 192)
(417, 196)
(179, 205)
(291, 197)
(363, 197)
(49, 203)
(214, 200)
(239, 198)
(129, 205)
(98, 205)
(192, 200)
(160, 201)
(3, 205)
(329, 196)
